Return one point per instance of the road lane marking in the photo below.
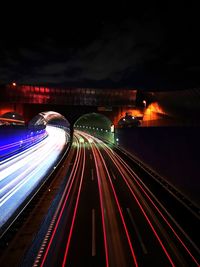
(93, 234)
(92, 173)
(137, 231)
(61, 206)
(75, 209)
(114, 177)
(138, 181)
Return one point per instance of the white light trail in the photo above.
(21, 175)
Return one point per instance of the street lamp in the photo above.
(145, 103)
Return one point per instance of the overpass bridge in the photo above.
(29, 100)
(154, 108)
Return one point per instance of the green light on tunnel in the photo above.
(81, 140)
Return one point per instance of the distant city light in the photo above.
(117, 139)
(14, 84)
(124, 119)
(133, 117)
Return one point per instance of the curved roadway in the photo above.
(21, 174)
(106, 216)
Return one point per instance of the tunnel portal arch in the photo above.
(12, 117)
(49, 118)
(128, 121)
(96, 124)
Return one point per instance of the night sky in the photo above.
(142, 46)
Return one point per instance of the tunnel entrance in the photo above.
(128, 121)
(12, 117)
(50, 118)
(97, 125)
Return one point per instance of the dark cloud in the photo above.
(143, 47)
(30, 55)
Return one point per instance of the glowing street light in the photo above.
(145, 103)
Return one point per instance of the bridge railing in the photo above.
(70, 96)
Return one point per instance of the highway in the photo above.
(11, 147)
(21, 174)
(107, 216)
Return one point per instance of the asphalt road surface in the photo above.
(107, 216)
